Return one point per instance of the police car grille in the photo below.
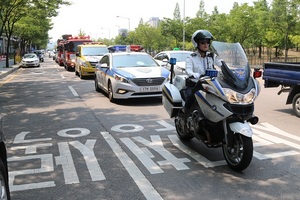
(148, 81)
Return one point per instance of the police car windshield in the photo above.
(131, 60)
(94, 51)
(180, 57)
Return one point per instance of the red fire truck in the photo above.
(69, 50)
(60, 51)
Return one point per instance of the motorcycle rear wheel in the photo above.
(181, 128)
(238, 152)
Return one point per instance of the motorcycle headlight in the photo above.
(238, 98)
(120, 78)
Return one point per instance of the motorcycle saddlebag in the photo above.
(171, 99)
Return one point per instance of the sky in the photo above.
(98, 18)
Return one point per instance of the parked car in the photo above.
(125, 75)
(4, 179)
(55, 56)
(163, 57)
(51, 54)
(30, 60)
(40, 54)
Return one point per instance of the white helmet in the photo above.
(201, 35)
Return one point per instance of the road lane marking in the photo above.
(91, 161)
(46, 166)
(199, 158)
(260, 142)
(145, 158)
(275, 139)
(20, 138)
(73, 91)
(270, 128)
(282, 154)
(168, 127)
(67, 163)
(157, 145)
(142, 182)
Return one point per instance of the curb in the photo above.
(12, 69)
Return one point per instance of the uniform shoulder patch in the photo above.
(193, 54)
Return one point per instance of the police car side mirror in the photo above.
(104, 65)
(165, 60)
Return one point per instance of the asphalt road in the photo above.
(66, 141)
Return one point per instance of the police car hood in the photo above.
(142, 72)
(93, 58)
(181, 65)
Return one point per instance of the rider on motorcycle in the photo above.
(199, 61)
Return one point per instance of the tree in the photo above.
(284, 17)
(81, 33)
(176, 13)
(217, 24)
(201, 12)
(172, 28)
(242, 26)
(262, 22)
(149, 37)
(12, 11)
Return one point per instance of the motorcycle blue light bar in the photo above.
(172, 61)
(211, 73)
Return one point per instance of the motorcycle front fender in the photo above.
(242, 128)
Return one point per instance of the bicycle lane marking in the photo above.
(142, 182)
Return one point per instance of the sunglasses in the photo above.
(204, 41)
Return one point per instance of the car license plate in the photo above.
(150, 89)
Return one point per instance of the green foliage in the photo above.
(261, 25)
(28, 20)
(172, 28)
(176, 14)
(201, 12)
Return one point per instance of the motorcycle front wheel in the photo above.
(238, 152)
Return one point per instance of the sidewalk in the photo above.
(4, 71)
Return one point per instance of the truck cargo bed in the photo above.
(286, 74)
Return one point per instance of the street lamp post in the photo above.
(183, 30)
(128, 21)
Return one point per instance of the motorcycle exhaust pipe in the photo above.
(253, 120)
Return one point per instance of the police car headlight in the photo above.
(239, 98)
(120, 78)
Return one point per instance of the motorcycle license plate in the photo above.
(150, 89)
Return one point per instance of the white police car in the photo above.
(124, 75)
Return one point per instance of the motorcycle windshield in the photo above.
(235, 66)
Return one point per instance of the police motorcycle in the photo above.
(222, 111)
